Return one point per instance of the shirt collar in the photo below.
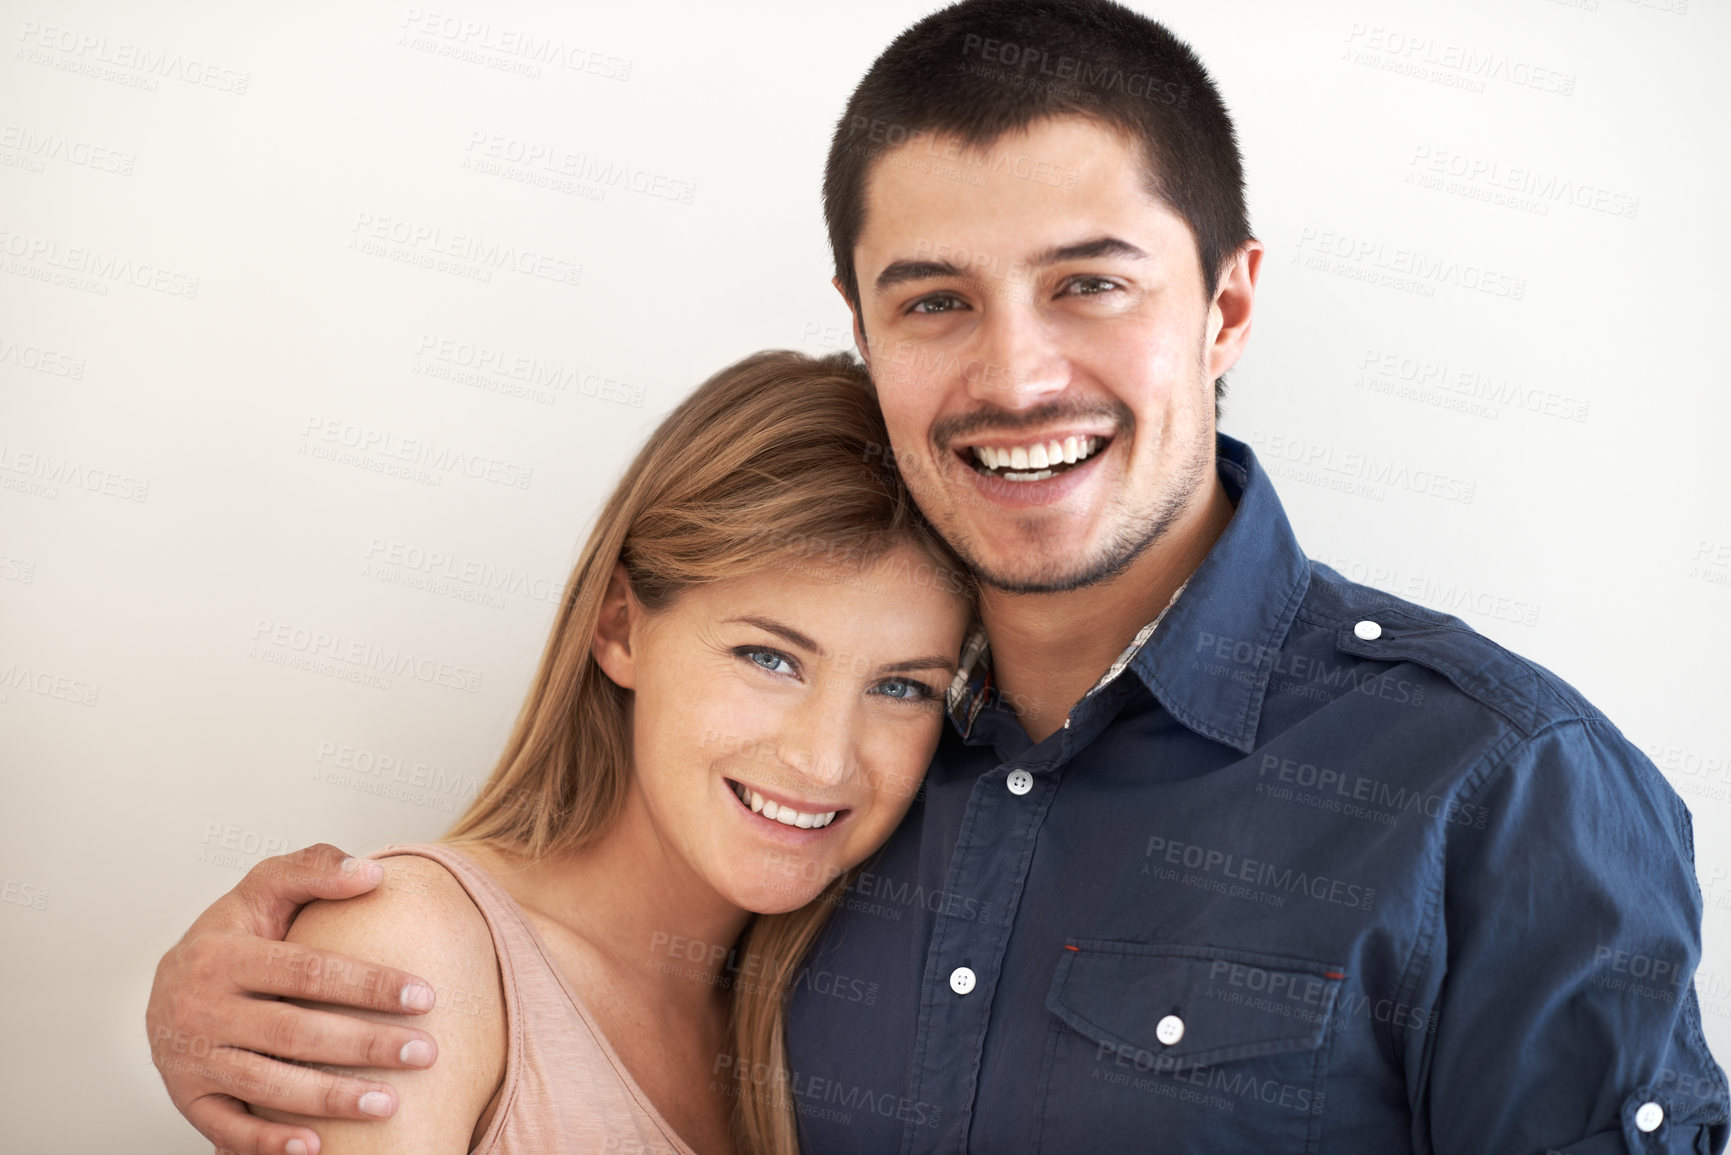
(1242, 597)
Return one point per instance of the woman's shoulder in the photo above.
(419, 912)
(419, 919)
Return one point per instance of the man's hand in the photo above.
(215, 1015)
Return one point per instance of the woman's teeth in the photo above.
(786, 815)
(1036, 462)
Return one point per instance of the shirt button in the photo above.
(961, 980)
(1019, 782)
(1648, 1117)
(1367, 631)
(1169, 1030)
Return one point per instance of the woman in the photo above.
(735, 708)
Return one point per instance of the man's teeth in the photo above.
(786, 815)
(1039, 455)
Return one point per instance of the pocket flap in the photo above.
(1227, 1004)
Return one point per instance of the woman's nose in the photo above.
(818, 741)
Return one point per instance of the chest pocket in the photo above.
(1212, 1050)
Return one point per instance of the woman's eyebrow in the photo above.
(948, 665)
(786, 633)
(789, 634)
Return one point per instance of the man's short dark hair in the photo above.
(983, 68)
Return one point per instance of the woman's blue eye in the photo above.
(905, 688)
(771, 660)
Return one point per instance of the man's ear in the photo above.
(859, 340)
(1234, 302)
(614, 632)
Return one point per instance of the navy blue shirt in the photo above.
(1313, 869)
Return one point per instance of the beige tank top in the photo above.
(565, 1090)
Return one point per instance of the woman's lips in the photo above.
(782, 819)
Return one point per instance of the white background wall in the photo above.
(163, 515)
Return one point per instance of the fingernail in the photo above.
(296, 1147)
(416, 1053)
(418, 997)
(376, 1103)
(365, 867)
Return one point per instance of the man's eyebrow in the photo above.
(902, 272)
(786, 633)
(1082, 250)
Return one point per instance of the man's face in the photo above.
(1043, 347)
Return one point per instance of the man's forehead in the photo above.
(1071, 168)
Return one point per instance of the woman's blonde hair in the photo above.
(778, 458)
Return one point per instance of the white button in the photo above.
(961, 980)
(1648, 1117)
(1019, 782)
(1169, 1030)
(1369, 631)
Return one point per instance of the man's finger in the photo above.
(311, 1091)
(276, 887)
(224, 1121)
(287, 1031)
(291, 970)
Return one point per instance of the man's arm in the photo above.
(213, 1017)
(1565, 1018)
(420, 917)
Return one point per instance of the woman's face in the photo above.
(782, 722)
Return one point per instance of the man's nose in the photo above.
(1018, 363)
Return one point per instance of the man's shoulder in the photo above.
(1476, 671)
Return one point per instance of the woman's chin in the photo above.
(772, 894)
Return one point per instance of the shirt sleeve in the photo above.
(1565, 1018)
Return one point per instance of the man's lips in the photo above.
(1029, 485)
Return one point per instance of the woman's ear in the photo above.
(611, 646)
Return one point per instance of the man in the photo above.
(1224, 853)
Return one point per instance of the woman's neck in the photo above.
(651, 919)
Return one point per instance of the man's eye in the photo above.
(906, 689)
(774, 661)
(939, 304)
(1090, 286)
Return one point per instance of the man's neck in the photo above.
(1049, 649)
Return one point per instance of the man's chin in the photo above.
(1045, 575)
